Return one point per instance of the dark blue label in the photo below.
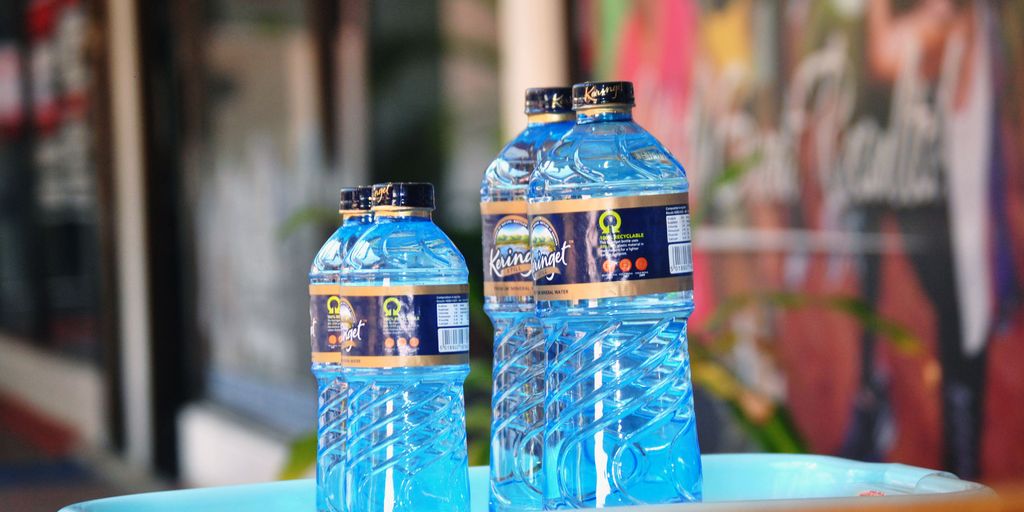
(506, 237)
(324, 322)
(393, 326)
(611, 247)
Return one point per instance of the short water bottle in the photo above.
(405, 357)
(613, 280)
(517, 426)
(325, 331)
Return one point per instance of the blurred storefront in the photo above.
(55, 218)
(169, 168)
(858, 177)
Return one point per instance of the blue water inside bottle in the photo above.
(406, 448)
(331, 387)
(517, 402)
(619, 405)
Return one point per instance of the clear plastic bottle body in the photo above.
(518, 393)
(331, 386)
(619, 405)
(406, 448)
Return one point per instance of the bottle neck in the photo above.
(355, 216)
(604, 113)
(548, 117)
(400, 213)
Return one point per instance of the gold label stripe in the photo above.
(326, 357)
(516, 269)
(401, 211)
(608, 203)
(580, 291)
(508, 289)
(348, 214)
(373, 291)
(389, 361)
(503, 207)
(605, 108)
(550, 117)
(323, 289)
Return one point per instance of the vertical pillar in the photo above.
(533, 52)
(128, 158)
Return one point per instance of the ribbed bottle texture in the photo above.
(517, 423)
(407, 450)
(613, 280)
(405, 360)
(331, 432)
(517, 431)
(325, 335)
(621, 428)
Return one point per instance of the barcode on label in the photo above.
(453, 339)
(680, 258)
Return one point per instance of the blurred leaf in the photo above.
(479, 454)
(484, 53)
(898, 335)
(301, 458)
(479, 379)
(767, 422)
(478, 428)
(731, 174)
(712, 376)
(315, 215)
(782, 434)
(776, 434)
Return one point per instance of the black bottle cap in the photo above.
(548, 100)
(355, 198)
(592, 94)
(409, 195)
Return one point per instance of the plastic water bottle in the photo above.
(325, 331)
(613, 275)
(405, 357)
(517, 427)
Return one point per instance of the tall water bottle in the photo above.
(517, 427)
(610, 235)
(326, 333)
(405, 358)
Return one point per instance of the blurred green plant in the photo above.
(766, 421)
(729, 175)
(321, 216)
(301, 458)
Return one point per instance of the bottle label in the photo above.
(324, 326)
(611, 247)
(506, 234)
(392, 326)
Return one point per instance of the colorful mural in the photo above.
(859, 180)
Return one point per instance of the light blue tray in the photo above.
(765, 478)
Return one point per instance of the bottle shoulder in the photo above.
(508, 175)
(405, 251)
(610, 155)
(330, 257)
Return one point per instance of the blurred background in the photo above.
(168, 169)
